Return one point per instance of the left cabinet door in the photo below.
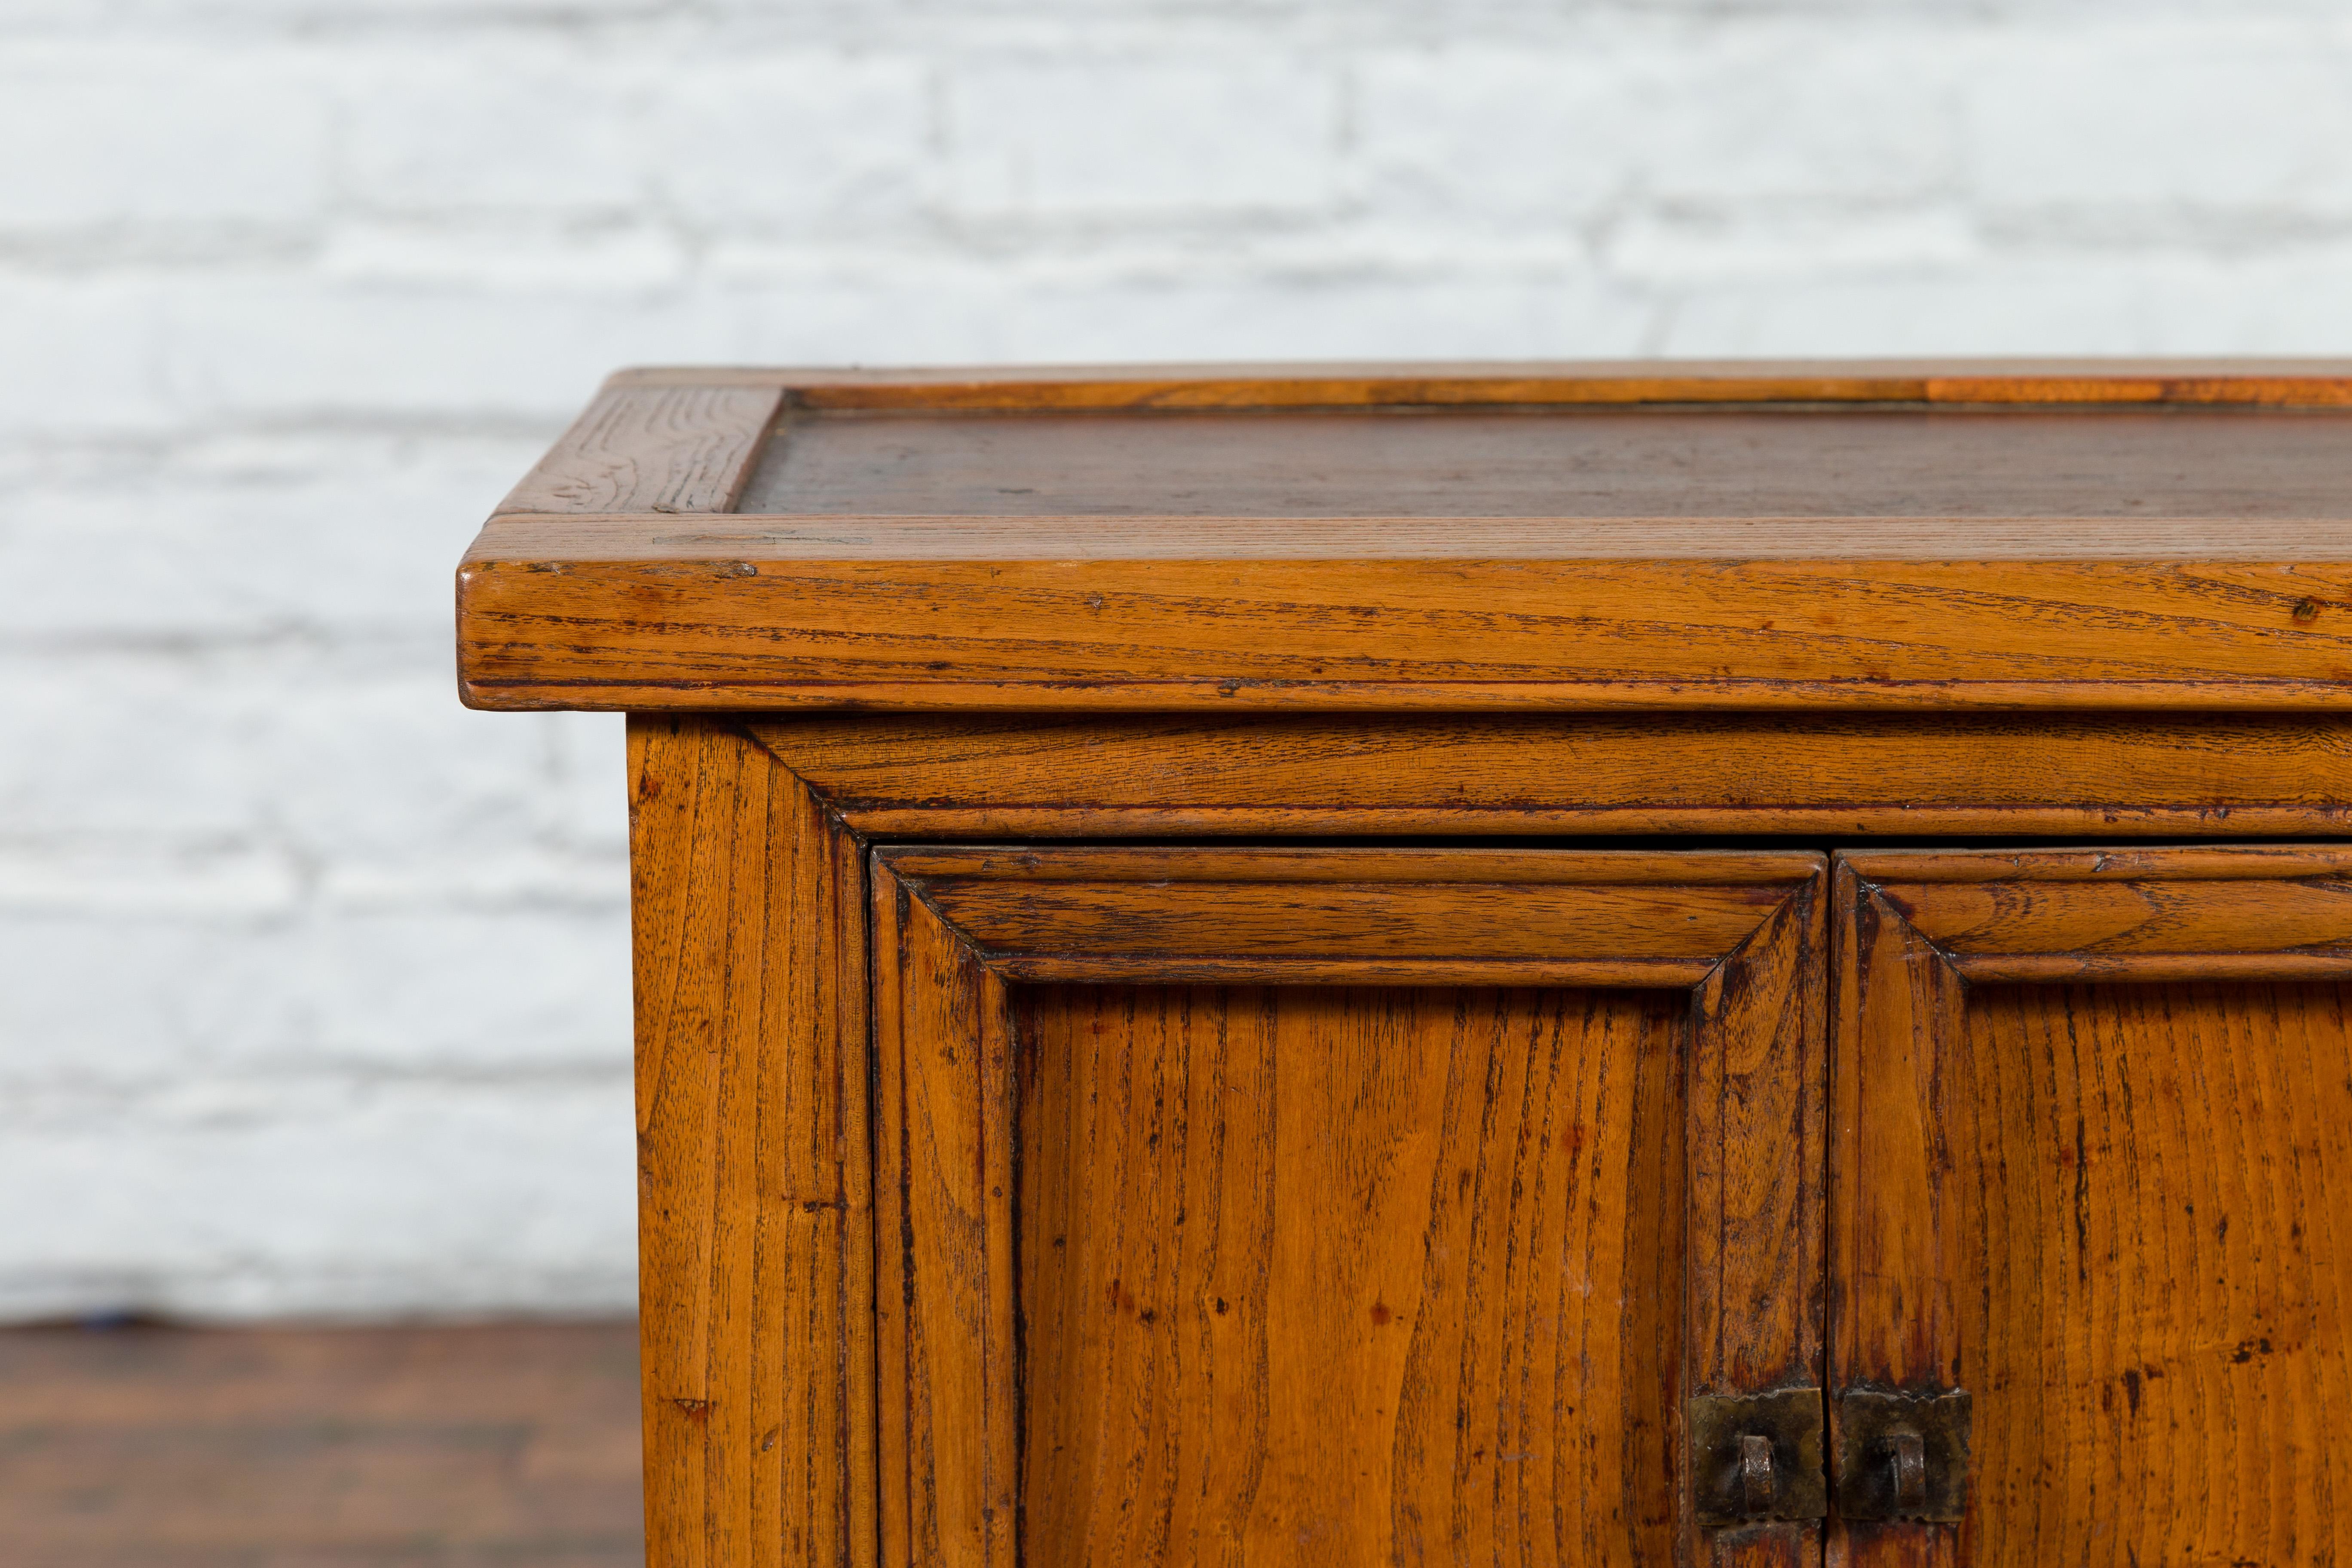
(1321, 1206)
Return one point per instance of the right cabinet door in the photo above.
(2091, 1208)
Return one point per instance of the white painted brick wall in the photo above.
(312, 985)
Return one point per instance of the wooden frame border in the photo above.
(665, 441)
(606, 626)
(955, 928)
(1914, 931)
(754, 1207)
(1518, 776)
(2273, 383)
(595, 586)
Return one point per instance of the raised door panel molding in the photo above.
(2092, 1109)
(1304, 1206)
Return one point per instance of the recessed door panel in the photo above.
(1301, 1207)
(1351, 1275)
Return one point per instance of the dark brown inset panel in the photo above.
(1664, 467)
(2093, 1120)
(1402, 1241)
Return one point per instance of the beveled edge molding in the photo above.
(1996, 915)
(1042, 915)
(1753, 985)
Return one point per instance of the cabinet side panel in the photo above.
(1335, 1275)
(749, 1014)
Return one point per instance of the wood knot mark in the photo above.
(2306, 609)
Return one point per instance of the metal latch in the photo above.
(1903, 1456)
(1757, 1456)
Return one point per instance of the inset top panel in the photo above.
(1793, 461)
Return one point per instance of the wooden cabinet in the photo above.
(1532, 965)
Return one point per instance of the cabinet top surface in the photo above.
(735, 521)
(1881, 460)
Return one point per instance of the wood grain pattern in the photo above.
(1744, 557)
(1034, 1403)
(2276, 912)
(948, 1394)
(929, 777)
(652, 449)
(1110, 635)
(2100, 1208)
(1416, 916)
(2243, 383)
(746, 902)
(1245, 1344)
(2162, 1293)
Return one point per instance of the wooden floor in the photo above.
(319, 1448)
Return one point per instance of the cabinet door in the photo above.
(2091, 1167)
(1347, 1206)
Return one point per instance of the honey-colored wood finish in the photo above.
(1822, 539)
(1833, 776)
(753, 1173)
(1310, 1205)
(1142, 1060)
(1116, 634)
(2184, 382)
(2093, 1122)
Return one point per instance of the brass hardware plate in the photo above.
(1903, 1456)
(1737, 1479)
